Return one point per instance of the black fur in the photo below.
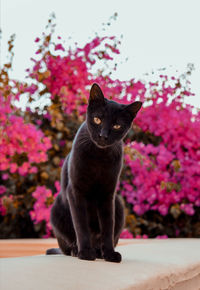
(87, 216)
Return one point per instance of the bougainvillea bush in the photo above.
(160, 182)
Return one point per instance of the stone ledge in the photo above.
(147, 264)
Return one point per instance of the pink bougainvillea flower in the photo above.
(125, 234)
(59, 47)
(2, 189)
(5, 176)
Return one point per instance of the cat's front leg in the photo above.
(80, 221)
(106, 220)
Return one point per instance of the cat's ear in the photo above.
(134, 108)
(96, 95)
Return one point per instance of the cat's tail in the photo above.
(53, 251)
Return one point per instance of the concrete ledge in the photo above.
(147, 264)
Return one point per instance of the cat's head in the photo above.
(107, 121)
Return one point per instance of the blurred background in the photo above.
(51, 53)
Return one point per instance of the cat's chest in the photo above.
(101, 167)
(102, 160)
(96, 166)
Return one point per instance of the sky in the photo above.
(156, 33)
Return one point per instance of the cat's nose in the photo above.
(103, 135)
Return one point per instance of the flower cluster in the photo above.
(19, 138)
(22, 145)
(169, 173)
(42, 207)
(70, 76)
(125, 234)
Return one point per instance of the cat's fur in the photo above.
(87, 216)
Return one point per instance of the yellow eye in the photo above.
(97, 120)
(116, 127)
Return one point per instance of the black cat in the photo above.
(87, 216)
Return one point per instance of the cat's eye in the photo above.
(116, 127)
(97, 120)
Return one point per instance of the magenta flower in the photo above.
(2, 189)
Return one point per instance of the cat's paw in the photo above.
(98, 253)
(87, 254)
(112, 256)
